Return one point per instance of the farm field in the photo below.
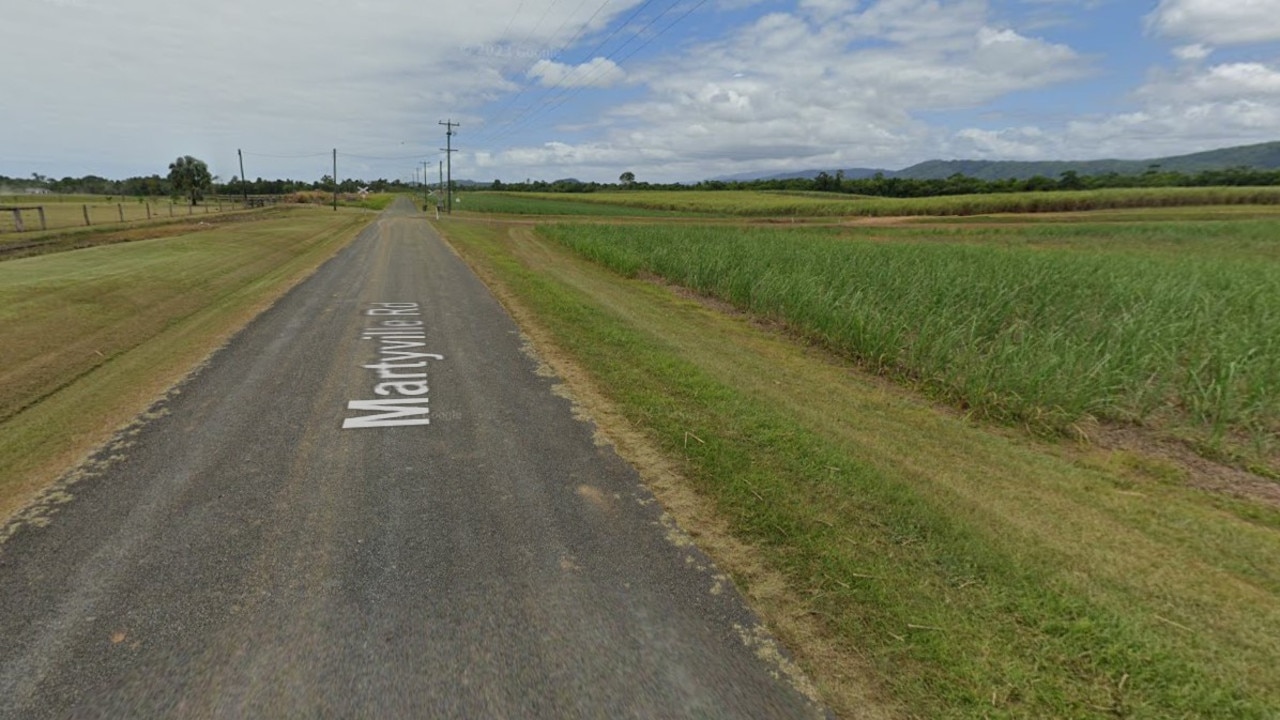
(548, 204)
(93, 336)
(764, 204)
(1172, 325)
(841, 414)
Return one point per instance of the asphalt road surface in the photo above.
(272, 543)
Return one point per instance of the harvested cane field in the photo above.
(989, 470)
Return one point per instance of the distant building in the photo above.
(37, 191)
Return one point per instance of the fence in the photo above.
(63, 214)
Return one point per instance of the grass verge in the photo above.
(939, 570)
(92, 337)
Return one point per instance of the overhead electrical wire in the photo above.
(492, 134)
(419, 156)
(568, 93)
(286, 157)
(511, 100)
(564, 22)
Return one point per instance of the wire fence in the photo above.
(24, 214)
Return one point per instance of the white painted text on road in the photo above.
(400, 372)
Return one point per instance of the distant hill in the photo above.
(850, 173)
(1264, 156)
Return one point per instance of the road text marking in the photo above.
(401, 369)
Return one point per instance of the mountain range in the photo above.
(1263, 156)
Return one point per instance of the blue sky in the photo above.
(668, 89)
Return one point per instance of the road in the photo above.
(268, 542)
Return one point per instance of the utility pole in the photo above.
(335, 179)
(426, 185)
(448, 158)
(244, 185)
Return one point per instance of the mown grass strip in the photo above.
(93, 336)
(1050, 337)
(978, 575)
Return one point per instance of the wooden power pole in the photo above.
(244, 185)
(448, 160)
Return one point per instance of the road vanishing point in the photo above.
(371, 503)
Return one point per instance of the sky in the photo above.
(671, 90)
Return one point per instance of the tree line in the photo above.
(880, 185)
(162, 186)
(883, 185)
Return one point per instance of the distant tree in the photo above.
(825, 183)
(627, 178)
(190, 177)
(1070, 180)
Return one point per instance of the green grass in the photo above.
(764, 204)
(1189, 213)
(378, 201)
(1173, 324)
(964, 574)
(92, 336)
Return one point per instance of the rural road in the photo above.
(243, 554)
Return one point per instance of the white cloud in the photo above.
(1219, 83)
(1221, 22)
(1192, 109)
(821, 87)
(123, 87)
(1025, 143)
(1192, 53)
(599, 72)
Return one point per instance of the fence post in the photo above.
(170, 208)
(17, 219)
(191, 209)
(43, 224)
(86, 215)
(120, 209)
(148, 204)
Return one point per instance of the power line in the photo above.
(546, 12)
(575, 12)
(586, 58)
(512, 19)
(568, 93)
(511, 100)
(418, 156)
(286, 157)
